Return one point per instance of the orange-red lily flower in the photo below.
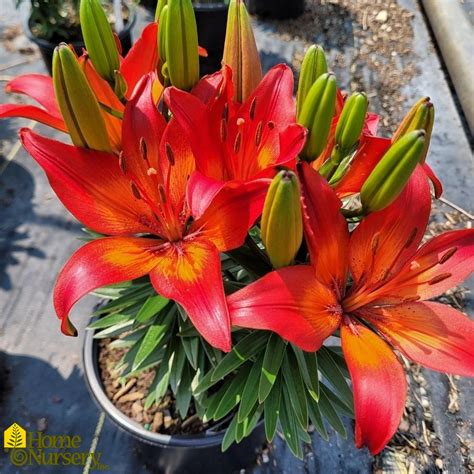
(383, 310)
(140, 201)
(240, 142)
(140, 60)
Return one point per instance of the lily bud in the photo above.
(162, 25)
(99, 39)
(182, 45)
(240, 51)
(420, 117)
(389, 177)
(317, 114)
(282, 222)
(159, 8)
(351, 122)
(77, 102)
(314, 65)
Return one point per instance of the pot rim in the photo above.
(94, 384)
(44, 43)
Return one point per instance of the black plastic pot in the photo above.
(211, 19)
(279, 9)
(193, 454)
(47, 47)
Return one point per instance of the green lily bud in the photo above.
(282, 222)
(159, 8)
(351, 122)
(389, 177)
(78, 104)
(314, 65)
(162, 25)
(182, 45)
(420, 117)
(99, 39)
(317, 114)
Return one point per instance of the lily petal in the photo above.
(201, 191)
(385, 240)
(142, 58)
(99, 263)
(379, 386)
(290, 302)
(189, 273)
(431, 334)
(40, 88)
(325, 229)
(443, 262)
(370, 152)
(232, 212)
(91, 186)
(435, 181)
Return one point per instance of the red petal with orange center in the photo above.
(379, 386)
(290, 302)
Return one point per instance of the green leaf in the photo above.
(328, 411)
(316, 418)
(163, 373)
(335, 376)
(308, 365)
(242, 351)
(250, 422)
(191, 349)
(114, 330)
(177, 368)
(152, 306)
(233, 393)
(128, 298)
(272, 409)
(229, 437)
(274, 354)
(110, 320)
(205, 383)
(249, 394)
(338, 403)
(183, 394)
(336, 355)
(296, 388)
(154, 335)
(289, 425)
(214, 355)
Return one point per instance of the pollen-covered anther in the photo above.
(238, 142)
(271, 125)
(135, 191)
(240, 122)
(446, 256)
(225, 113)
(440, 278)
(375, 243)
(151, 172)
(169, 154)
(253, 105)
(258, 134)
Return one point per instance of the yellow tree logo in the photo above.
(14, 437)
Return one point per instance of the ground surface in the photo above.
(41, 385)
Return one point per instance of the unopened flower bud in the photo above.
(162, 25)
(159, 8)
(99, 39)
(317, 114)
(351, 122)
(393, 171)
(420, 117)
(282, 223)
(314, 65)
(77, 102)
(240, 51)
(181, 44)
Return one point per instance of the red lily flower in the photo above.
(140, 60)
(240, 142)
(145, 193)
(383, 309)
